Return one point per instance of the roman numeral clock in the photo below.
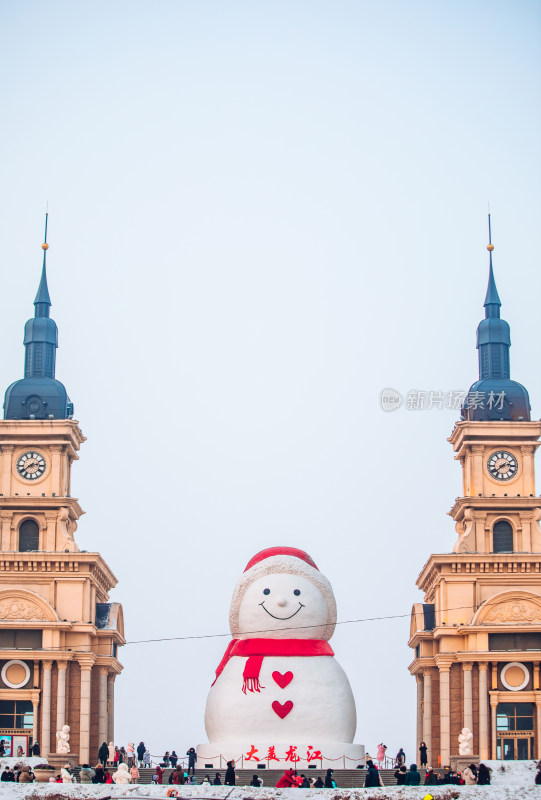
(31, 465)
(502, 465)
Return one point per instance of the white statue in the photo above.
(122, 774)
(465, 741)
(63, 740)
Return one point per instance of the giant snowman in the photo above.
(280, 698)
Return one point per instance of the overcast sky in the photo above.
(261, 215)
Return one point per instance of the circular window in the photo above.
(515, 676)
(15, 674)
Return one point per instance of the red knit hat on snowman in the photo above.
(286, 561)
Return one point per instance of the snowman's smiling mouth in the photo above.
(281, 618)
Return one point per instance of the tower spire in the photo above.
(493, 334)
(500, 397)
(492, 299)
(39, 395)
(43, 301)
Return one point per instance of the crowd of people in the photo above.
(412, 776)
(19, 773)
(121, 765)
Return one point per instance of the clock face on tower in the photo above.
(31, 465)
(502, 465)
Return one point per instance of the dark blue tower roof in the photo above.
(39, 395)
(495, 396)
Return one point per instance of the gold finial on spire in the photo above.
(45, 246)
(490, 246)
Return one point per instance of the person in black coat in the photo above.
(192, 758)
(140, 752)
(319, 784)
(230, 774)
(423, 754)
(103, 754)
(372, 775)
(217, 780)
(35, 749)
(484, 775)
(329, 783)
(400, 775)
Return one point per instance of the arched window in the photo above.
(502, 537)
(28, 535)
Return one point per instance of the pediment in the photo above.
(521, 608)
(20, 605)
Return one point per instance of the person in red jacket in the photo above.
(159, 774)
(287, 780)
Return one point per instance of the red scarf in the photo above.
(257, 649)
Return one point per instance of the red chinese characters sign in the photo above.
(291, 754)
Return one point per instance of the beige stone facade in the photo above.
(477, 636)
(59, 634)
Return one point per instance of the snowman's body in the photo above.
(323, 706)
(281, 685)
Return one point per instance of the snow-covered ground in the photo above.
(510, 781)
(90, 792)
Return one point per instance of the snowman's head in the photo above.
(282, 595)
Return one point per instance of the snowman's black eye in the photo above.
(266, 591)
(297, 592)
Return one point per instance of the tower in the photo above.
(477, 635)
(59, 634)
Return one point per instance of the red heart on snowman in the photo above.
(282, 710)
(282, 680)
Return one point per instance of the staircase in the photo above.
(344, 778)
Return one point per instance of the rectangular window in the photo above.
(496, 363)
(17, 714)
(514, 717)
(38, 357)
(514, 641)
(18, 639)
(49, 361)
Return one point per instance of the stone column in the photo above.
(61, 694)
(46, 708)
(6, 518)
(35, 718)
(103, 732)
(538, 737)
(445, 714)
(483, 712)
(56, 451)
(478, 451)
(420, 687)
(111, 707)
(84, 716)
(493, 704)
(7, 458)
(50, 535)
(427, 713)
(468, 697)
(527, 451)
